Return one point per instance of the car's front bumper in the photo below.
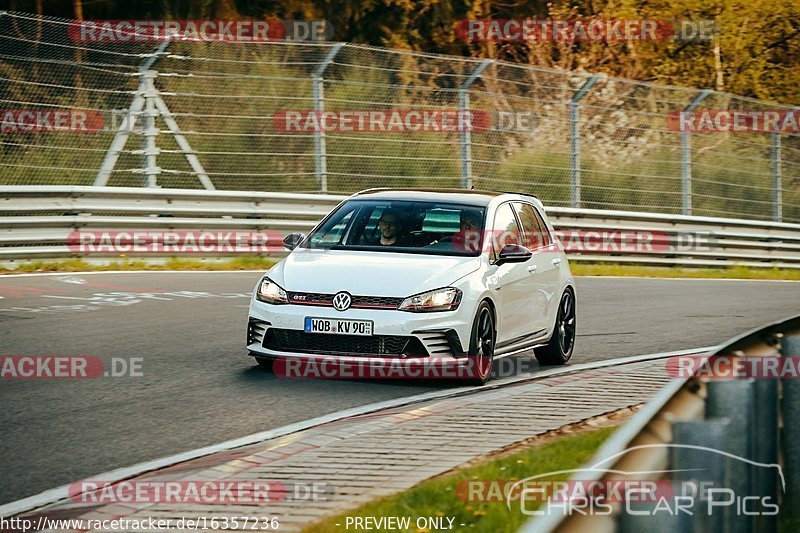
(444, 335)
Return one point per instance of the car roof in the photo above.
(463, 196)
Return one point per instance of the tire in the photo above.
(559, 348)
(265, 363)
(481, 345)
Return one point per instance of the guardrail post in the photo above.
(318, 90)
(765, 447)
(575, 140)
(790, 410)
(686, 155)
(734, 400)
(697, 465)
(466, 134)
(777, 178)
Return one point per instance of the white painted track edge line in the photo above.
(691, 279)
(62, 493)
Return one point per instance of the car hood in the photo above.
(369, 273)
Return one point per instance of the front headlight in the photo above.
(439, 300)
(271, 293)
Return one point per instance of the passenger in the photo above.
(468, 237)
(470, 220)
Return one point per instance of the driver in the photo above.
(389, 227)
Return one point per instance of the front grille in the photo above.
(310, 298)
(255, 330)
(376, 301)
(292, 340)
(357, 302)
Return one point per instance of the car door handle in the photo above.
(532, 268)
(557, 262)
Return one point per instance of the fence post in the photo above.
(129, 122)
(150, 149)
(318, 89)
(575, 140)
(466, 134)
(686, 155)
(777, 178)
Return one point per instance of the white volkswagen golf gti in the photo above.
(455, 276)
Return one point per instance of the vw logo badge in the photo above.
(341, 301)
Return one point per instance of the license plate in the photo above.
(336, 326)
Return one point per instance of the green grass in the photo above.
(172, 263)
(263, 263)
(734, 272)
(438, 496)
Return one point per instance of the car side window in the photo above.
(505, 230)
(534, 228)
(333, 231)
(371, 231)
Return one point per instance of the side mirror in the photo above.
(513, 253)
(293, 240)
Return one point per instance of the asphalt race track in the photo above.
(199, 388)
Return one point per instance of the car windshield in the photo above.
(436, 228)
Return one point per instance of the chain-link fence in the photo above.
(196, 114)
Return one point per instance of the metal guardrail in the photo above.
(35, 222)
(754, 419)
